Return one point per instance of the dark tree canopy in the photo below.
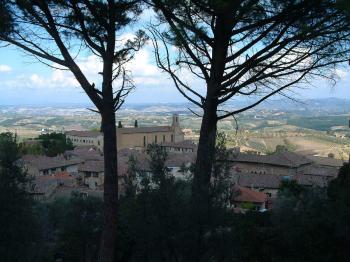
(19, 227)
(6, 21)
(58, 33)
(246, 48)
(251, 48)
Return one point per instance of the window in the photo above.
(95, 174)
(163, 138)
(155, 139)
(172, 138)
(88, 174)
(144, 141)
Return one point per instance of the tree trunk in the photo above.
(202, 175)
(110, 195)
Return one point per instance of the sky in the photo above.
(25, 81)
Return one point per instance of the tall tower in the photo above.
(175, 122)
(177, 135)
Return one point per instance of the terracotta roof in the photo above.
(258, 180)
(91, 166)
(62, 175)
(85, 153)
(316, 170)
(83, 133)
(243, 194)
(44, 162)
(150, 129)
(326, 161)
(174, 160)
(288, 159)
(310, 180)
(274, 181)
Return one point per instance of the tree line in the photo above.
(250, 48)
(155, 222)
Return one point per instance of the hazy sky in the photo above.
(23, 81)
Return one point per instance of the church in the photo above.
(131, 137)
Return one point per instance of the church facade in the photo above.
(131, 137)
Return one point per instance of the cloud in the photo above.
(145, 74)
(5, 68)
(341, 73)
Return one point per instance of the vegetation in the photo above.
(55, 32)
(19, 221)
(248, 48)
(322, 123)
(51, 144)
(155, 222)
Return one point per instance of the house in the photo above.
(39, 165)
(131, 137)
(84, 153)
(92, 173)
(177, 164)
(270, 183)
(245, 198)
(43, 187)
(284, 163)
(266, 183)
(86, 138)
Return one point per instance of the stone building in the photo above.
(38, 165)
(132, 137)
(265, 173)
(92, 173)
(141, 137)
(85, 138)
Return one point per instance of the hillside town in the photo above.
(256, 177)
(174, 131)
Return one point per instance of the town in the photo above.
(257, 176)
(174, 131)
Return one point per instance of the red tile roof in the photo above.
(243, 194)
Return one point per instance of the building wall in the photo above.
(72, 169)
(141, 140)
(178, 149)
(87, 141)
(134, 140)
(258, 168)
(31, 170)
(92, 179)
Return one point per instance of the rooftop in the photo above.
(44, 162)
(326, 161)
(150, 129)
(243, 194)
(92, 166)
(84, 133)
(288, 159)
